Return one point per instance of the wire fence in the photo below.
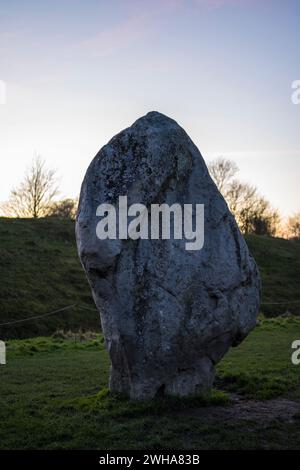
(53, 312)
(84, 307)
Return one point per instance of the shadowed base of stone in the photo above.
(194, 381)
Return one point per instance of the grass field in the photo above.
(53, 395)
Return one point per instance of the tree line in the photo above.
(36, 197)
(253, 212)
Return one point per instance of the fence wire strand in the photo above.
(53, 312)
(83, 307)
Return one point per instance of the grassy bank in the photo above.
(41, 272)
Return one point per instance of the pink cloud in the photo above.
(106, 42)
(143, 18)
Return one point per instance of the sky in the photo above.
(76, 72)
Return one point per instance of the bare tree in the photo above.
(222, 171)
(253, 213)
(240, 196)
(293, 226)
(34, 196)
(259, 218)
(64, 209)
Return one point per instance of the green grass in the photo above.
(267, 371)
(53, 395)
(41, 272)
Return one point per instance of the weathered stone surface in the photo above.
(168, 314)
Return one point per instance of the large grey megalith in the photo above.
(168, 314)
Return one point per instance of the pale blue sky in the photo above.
(79, 71)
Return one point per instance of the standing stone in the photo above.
(168, 314)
